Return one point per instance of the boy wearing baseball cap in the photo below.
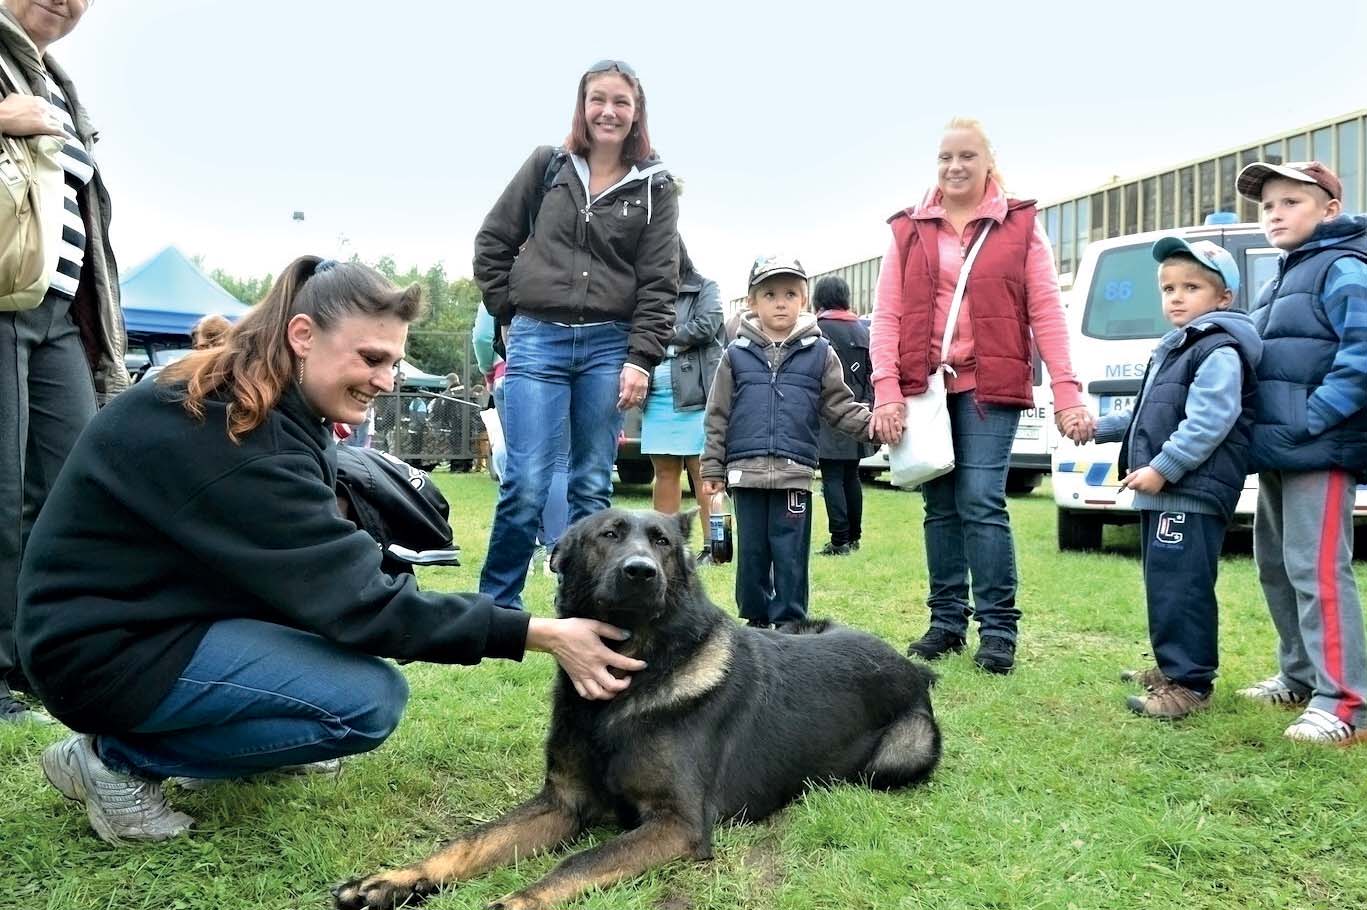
(1184, 453)
(776, 382)
(1310, 447)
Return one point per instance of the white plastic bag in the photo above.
(926, 449)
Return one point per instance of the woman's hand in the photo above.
(632, 386)
(1143, 480)
(28, 115)
(577, 645)
(888, 419)
(711, 488)
(1077, 423)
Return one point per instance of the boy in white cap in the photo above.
(1184, 453)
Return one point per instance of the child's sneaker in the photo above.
(1169, 701)
(1151, 678)
(1274, 691)
(834, 549)
(1317, 726)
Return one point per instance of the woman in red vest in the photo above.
(1012, 296)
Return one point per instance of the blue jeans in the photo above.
(555, 516)
(561, 380)
(967, 529)
(258, 696)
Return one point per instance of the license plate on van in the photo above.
(1116, 404)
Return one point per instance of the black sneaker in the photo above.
(759, 624)
(854, 546)
(935, 644)
(996, 654)
(834, 549)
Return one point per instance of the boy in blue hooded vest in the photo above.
(776, 382)
(1310, 446)
(1184, 453)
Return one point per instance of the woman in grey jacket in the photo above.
(579, 260)
(672, 430)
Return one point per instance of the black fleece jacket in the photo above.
(159, 526)
(617, 259)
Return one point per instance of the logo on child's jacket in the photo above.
(1169, 524)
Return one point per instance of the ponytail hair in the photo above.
(255, 363)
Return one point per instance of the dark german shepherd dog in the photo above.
(726, 722)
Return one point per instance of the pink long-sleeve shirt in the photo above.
(1043, 304)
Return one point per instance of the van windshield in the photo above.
(1123, 300)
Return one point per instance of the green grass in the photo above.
(1050, 794)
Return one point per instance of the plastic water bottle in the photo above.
(719, 542)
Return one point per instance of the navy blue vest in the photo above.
(776, 412)
(1299, 345)
(1161, 407)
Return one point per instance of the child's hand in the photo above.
(711, 488)
(1144, 480)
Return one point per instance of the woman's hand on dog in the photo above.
(577, 645)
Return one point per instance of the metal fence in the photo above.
(429, 426)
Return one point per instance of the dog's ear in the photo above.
(685, 521)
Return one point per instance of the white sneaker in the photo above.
(121, 807)
(1317, 726)
(1274, 691)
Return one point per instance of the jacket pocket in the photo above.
(624, 221)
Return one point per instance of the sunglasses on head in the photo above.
(608, 66)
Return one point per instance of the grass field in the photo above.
(1050, 793)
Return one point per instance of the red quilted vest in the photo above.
(996, 291)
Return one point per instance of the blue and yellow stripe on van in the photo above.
(1095, 473)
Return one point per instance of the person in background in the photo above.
(64, 357)
(193, 603)
(1011, 300)
(583, 269)
(672, 426)
(209, 331)
(841, 452)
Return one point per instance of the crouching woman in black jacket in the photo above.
(193, 603)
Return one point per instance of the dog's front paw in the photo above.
(401, 888)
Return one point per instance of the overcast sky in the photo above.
(797, 126)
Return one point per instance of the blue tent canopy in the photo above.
(168, 294)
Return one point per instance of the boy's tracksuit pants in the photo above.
(774, 538)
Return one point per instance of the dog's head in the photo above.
(622, 567)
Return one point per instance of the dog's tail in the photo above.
(908, 751)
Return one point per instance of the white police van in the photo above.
(1115, 319)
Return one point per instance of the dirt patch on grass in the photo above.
(675, 902)
(764, 857)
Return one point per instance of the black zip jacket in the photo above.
(159, 526)
(617, 259)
